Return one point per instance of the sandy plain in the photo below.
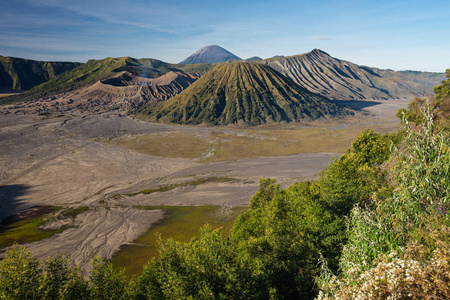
(75, 160)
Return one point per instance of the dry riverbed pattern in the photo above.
(96, 183)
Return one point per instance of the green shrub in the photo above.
(205, 268)
(420, 271)
(24, 277)
(386, 255)
(109, 283)
(20, 275)
(355, 176)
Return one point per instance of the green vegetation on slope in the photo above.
(443, 91)
(247, 93)
(94, 70)
(18, 74)
(399, 246)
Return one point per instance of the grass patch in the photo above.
(168, 144)
(181, 223)
(278, 142)
(232, 143)
(73, 212)
(198, 181)
(24, 227)
(290, 139)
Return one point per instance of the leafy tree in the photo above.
(205, 268)
(282, 237)
(24, 277)
(59, 281)
(443, 91)
(20, 275)
(108, 283)
(355, 176)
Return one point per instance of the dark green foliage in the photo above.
(20, 275)
(442, 107)
(206, 268)
(277, 238)
(355, 176)
(235, 93)
(17, 74)
(268, 188)
(443, 91)
(283, 236)
(62, 282)
(24, 277)
(109, 283)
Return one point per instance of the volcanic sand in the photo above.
(67, 161)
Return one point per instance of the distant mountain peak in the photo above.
(254, 58)
(318, 52)
(209, 55)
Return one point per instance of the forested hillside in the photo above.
(18, 74)
(374, 226)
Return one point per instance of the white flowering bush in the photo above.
(400, 249)
(416, 274)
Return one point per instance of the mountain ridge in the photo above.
(20, 74)
(242, 93)
(339, 79)
(316, 71)
(97, 70)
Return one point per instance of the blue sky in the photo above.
(400, 35)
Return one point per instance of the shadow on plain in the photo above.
(10, 200)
